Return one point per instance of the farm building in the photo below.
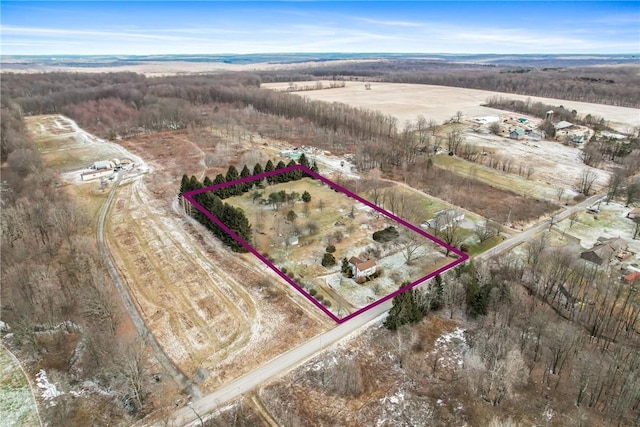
(95, 174)
(604, 250)
(445, 219)
(535, 135)
(516, 134)
(103, 164)
(562, 125)
(361, 268)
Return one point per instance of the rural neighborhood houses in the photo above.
(361, 268)
(605, 249)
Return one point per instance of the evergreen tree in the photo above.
(437, 289)
(257, 169)
(246, 186)
(328, 260)
(306, 197)
(281, 177)
(184, 185)
(207, 182)
(268, 168)
(220, 192)
(304, 161)
(194, 184)
(314, 167)
(293, 175)
(232, 175)
(405, 310)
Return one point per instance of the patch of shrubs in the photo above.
(328, 260)
(388, 234)
(313, 292)
(331, 249)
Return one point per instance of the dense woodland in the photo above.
(65, 316)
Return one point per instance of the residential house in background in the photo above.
(444, 219)
(604, 250)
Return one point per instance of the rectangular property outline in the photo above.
(462, 257)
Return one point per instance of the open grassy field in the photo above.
(66, 147)
(497, 179)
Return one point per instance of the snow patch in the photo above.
(49, 390)
(450, 348)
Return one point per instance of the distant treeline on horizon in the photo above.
(290, 58)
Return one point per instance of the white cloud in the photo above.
(390, 23)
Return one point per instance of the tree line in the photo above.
(233, 217)
(63, 311)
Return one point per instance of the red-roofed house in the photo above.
(632, 278)
(362, 268)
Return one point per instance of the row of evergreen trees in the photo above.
(232, 217)
(237, 189)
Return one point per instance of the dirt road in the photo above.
(105, 254)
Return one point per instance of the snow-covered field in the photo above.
(611, 221)
(554, 163)
(66, 147)
(441, 103)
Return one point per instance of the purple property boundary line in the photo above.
(462, 257)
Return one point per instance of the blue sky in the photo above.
(208, 27)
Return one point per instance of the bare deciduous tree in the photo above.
(586, 181)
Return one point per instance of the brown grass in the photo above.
(475, 196)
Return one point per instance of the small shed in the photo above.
(517, 134)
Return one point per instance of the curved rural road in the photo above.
(532, 231)
(105, 254)
(279, 365)
(293, 358)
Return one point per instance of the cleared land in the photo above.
(441, 103)
(332, 218)
(208, 309)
